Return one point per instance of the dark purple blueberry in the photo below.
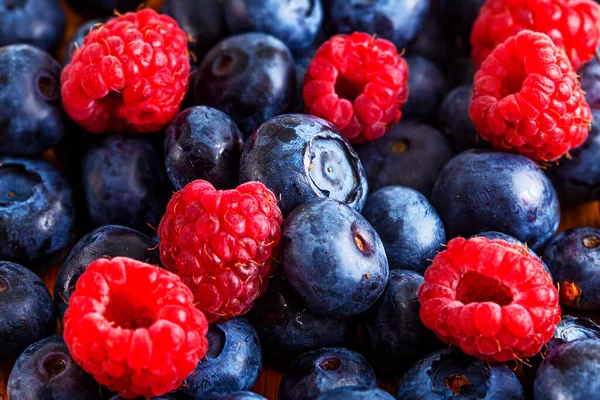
(303, 158)
(319, 371)
(76, 40)
(203, 143)
(571, 328)
(102, 8)
(590, 83)
(355, 393)
(427, 89)
(484, 190)
(242, 396)
(250, 76)
(26, 308)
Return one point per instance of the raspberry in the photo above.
(491, 298)
(527, 99)
(573, 25)
(131, 74)
(221, 244)
(134, 327)
(358, 83)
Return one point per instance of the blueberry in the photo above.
(590, 83)
(76, 40)
(250, 76)
(447, 374)
(458, 16)
(355, 393)
(125, 182)
(102, 8)
(242, 396)
(233, 362)
(302, 158)
(572, 371)
(296, 23)
(427, 89)
(410, 229)
(27, 310)
(396, 20)
(40, 23)
(411, 154)
(483, 190)
(570, 328)
(203, 143)
(31, 115)
(319, 371)
(333, 258)
(106, 241)
(37, 225)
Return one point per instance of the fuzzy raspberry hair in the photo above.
(131, 74)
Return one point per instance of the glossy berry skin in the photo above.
(590, 83)
(76, 40)
(295, 23)
(203, 143)
(319, 371)
(27, 310)
(34, 195)
(570, 328)
(250, 77)
(46, 368)
(40, 23)
(276, 155)
(411, 154)
(509, 239)
(31, 117)
(448, 373)
(498, 191)
(233, 362)
(242, 396)
(102, 8)
(105, 241)
(355, 393)
(427, 86)
(393, 334)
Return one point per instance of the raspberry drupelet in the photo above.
(134, 327)
(491, 298)
(527, 99)
(221, 243)
(131, 74)
(359, 84)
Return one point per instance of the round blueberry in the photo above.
(302, 158)
(250, 76)
(571, 328)
(37, 217)
(102, 8)
(203, 143)
(427, 89)
(333, 258)
(26, 308)
(447, 374)
(31, 115)
(355, 393)
(106, 241)
(76, 40)
(319, 371)
(432, 42)
(242, 396)
(411, 154)
(484, 190)
(590, 83)
(233, 362)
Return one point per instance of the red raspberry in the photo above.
(527, 99)
(131, 74)
(221, 243)
(358, 83)
(134, 327)
(491, 298)
(573, 25)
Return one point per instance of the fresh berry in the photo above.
(303, 158)
(527, 99)
(250, 77)
(134, 327)
(590, 83)
(355, 393)
(570, 328)
(483, 190)
(319, 371)
(427, 86)
(244, 395)
(333, 258)
(102, 8)
(203, 143)
(573, 25)
(106, 241)
(221, 244)
(359, 84)
(131, 75)
(492, 299)
(76, 41)
(232, 363)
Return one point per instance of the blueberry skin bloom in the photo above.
(233, 362)
(427, 89)
(251, 77)
(355, 393)
(31, 116)
(302, 158)
(37, 217)
(484, 190)
(410, 229)
(26, 308)
(242, 396)
(319, 371)
(448, 373)
(333, 258)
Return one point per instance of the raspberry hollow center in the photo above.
(121, 312)
(513, 83)
(345, 89)
(474, 287)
